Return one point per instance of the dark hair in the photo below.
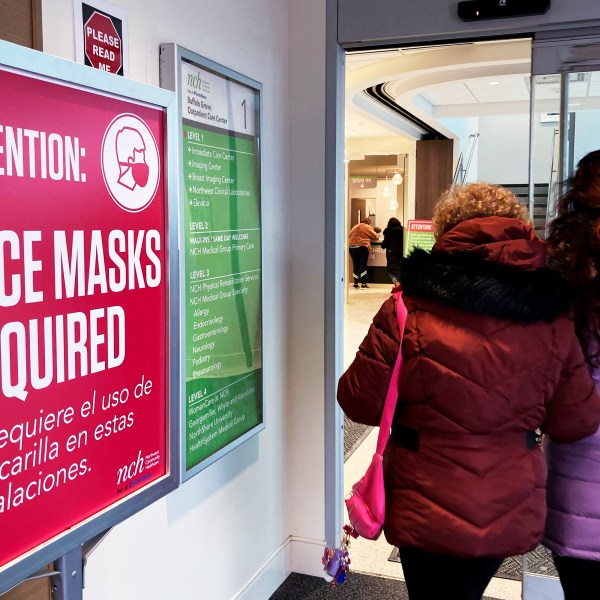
(393, 222)
(574, 249)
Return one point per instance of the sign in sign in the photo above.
(362, 181)
(221, 270)
(418, 234)
(84, 325)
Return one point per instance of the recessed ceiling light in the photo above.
(493, 83)
(574, 103)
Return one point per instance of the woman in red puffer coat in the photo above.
(490, 359)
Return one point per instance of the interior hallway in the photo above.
(372, 557)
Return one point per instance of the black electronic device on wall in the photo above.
(476, 10)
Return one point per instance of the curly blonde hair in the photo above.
(475, 200)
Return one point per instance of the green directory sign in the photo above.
(220, 258)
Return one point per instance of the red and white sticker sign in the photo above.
(103, 45)
(83, 307)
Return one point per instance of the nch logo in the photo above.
(197, 82)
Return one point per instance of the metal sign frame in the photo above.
(172, 57)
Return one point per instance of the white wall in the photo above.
(239, 527)
(303, 324)
(587, 134)
(504, 149)
(502, 154)
(504, 146)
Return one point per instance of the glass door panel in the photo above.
(544, 147)
(584, 116)
(565, 126)
(546, 171)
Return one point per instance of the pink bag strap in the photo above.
(392, 393)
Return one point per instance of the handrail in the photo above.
(458, 170)
(552, 186)
(461, 171)
(476, 137)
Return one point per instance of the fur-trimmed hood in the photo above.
(474, 276)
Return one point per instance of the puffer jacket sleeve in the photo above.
(574, 411)
(363, 387)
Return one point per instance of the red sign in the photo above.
(83, 307)
(102, 43)
(426, 226)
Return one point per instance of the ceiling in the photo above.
(449, 81)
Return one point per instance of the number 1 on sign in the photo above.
(244, 106)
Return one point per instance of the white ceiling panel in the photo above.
(442, 98)
(501, 95)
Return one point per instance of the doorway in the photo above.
(501, 126)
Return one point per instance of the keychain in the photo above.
(336, 562)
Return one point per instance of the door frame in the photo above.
(542, 31)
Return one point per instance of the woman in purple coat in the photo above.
(573, 494)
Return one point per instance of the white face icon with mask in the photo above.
(130, 162)
(131, 153)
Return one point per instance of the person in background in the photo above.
(573, 522)
(393, 244)
(490, 358)
(359, 244)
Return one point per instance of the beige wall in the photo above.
(239, 527)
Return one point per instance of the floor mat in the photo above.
(356, 587)
(539, 561)
(354, 435)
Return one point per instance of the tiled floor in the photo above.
(367, 556)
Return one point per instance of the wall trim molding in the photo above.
(296, 554)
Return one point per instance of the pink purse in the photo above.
(366, 505)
